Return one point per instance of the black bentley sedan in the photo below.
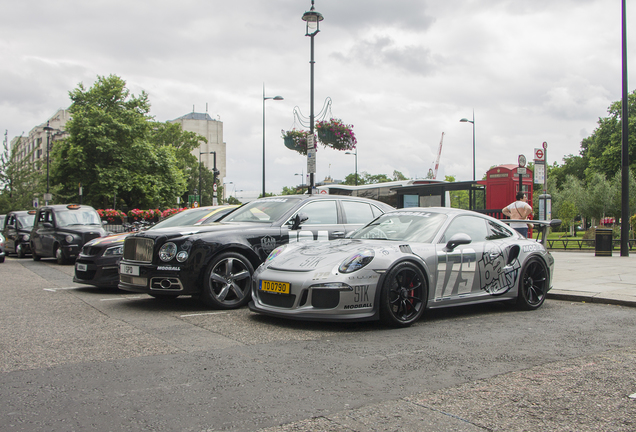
(216, 261)
(17, 232)
(98, 263)
(61, 230)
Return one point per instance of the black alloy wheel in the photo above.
(533, 284)
(404, 295)
(228, 281)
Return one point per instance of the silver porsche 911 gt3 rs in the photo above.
(402, 263)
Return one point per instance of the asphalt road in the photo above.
(76, 358)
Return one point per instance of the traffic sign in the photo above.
(522, 160)
(539, 155)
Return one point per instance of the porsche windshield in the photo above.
(262, 211)
(409, 226)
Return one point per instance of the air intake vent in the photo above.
(406, 249)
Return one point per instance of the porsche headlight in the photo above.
(114, 251)
(357, 261)
(167, 252)
(276, 252)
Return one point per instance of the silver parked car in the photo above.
(402, 263)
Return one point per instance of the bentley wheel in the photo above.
(404, 295)
(59, 256)
(19, 250)
(533, 284)
(228, 281)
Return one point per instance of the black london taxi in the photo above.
(17, 232)
(61, 230)
(216, 262)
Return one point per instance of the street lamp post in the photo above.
(214, 172)
(464, 120)
(264, 99)
(471, 196)
(302, 180)
(356, 155)
(48, 131)
(312, 20)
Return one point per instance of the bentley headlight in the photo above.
(182, 256)
(276, 252)
(167, 252)
(114, 251)
(357, 261)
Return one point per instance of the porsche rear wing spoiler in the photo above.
(541, 225)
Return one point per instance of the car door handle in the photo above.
(338, 234)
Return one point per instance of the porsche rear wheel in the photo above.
(533, 284)
(228, 281)
(404, 295)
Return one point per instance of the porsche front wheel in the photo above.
(404, 295)
(228, 281)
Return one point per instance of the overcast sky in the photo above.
(400, 71)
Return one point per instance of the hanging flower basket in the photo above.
(333, 133)
(296, 140)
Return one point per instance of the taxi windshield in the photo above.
(415, 226)
(26, 221)
(77, 217)
(266, 210)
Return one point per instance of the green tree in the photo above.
(116, 150)
(20, 182)
(603, 148)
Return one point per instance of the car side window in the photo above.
(357, 212)
(498, 231)
(321, 213)
(475, 227)
(376, 211)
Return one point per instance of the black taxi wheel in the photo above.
(59, 256)
(404, 295)
(34, 255)
(228, 281)
(19, 250)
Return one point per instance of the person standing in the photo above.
(520, 210)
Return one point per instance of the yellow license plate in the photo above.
(275, 287)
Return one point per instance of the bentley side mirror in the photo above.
(298, 220)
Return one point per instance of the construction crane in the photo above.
(433, 174)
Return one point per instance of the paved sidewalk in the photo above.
(582, 276)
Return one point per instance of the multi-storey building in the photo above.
(212, 130)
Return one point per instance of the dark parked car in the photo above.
(2, 255)
(98, 263)
(216, 261)
(17, 232)
(61, 230)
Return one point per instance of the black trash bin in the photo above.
(603, 242)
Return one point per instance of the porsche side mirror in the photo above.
(298, 220)
(456, 240)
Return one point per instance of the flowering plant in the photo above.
(335, 134)
(296, 140)
(110, 214)
(171, 211)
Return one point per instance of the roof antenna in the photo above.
(206, 107)
(193, 108)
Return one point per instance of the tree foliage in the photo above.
(115, 149)
(20, 181)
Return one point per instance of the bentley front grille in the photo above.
(138, 249)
